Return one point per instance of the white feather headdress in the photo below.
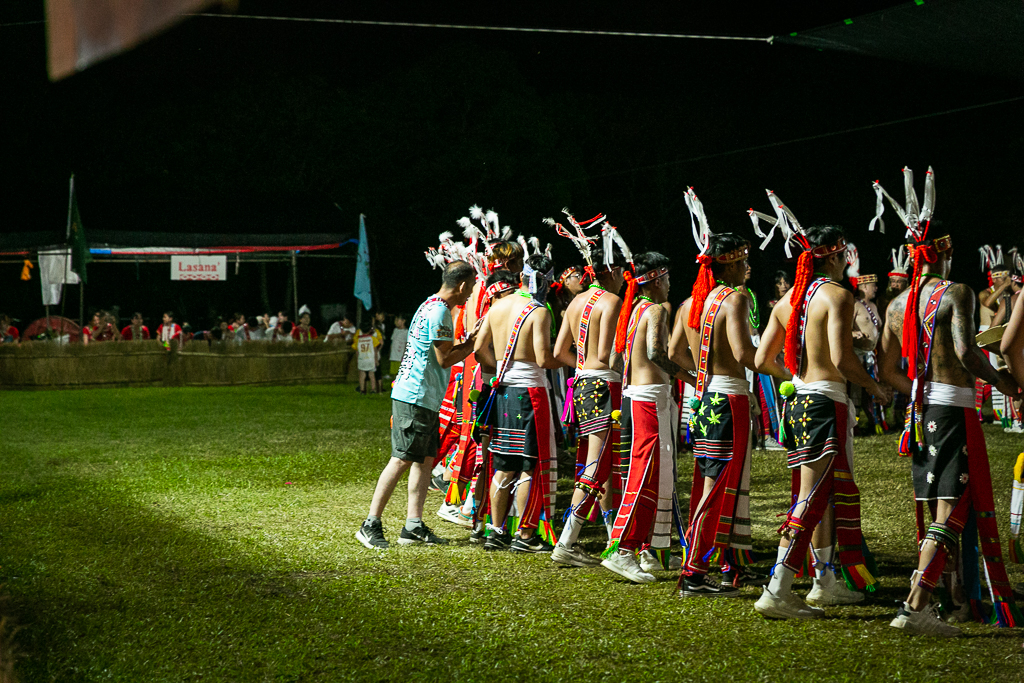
(784, 221)
(579, 238)
(912, 215)
(900, 260)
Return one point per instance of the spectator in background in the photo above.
(304, 332)
(379, 331)
(170, 330)
(367, 346)
(342, 331)
(783, 283)
(136, 331)
(186, 333)
(8, 332)
(282, 332)
(101, 329)
(399, 337)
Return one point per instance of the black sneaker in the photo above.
(534, 544)
(438, 483)
(699, 585)
(421, 534)
(478, 533)
(371, 534)
(498, 540)
(744, 576)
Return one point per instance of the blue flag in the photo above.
(362, 287)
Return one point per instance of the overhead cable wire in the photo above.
(476, 27)
(768, 145)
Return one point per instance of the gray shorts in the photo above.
(414, 432)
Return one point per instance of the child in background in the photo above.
(399, 336)
(366, 345)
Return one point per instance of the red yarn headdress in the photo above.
(792, 232)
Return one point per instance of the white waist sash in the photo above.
(653, 393)
(724, 384)
(834, 390)
(524, 374)
(606, 375)
(940, 394)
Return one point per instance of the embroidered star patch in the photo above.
(930, 478)
(933, 451)
(963, 478)
(932, 426)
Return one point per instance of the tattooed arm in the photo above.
(966, 349)
(657, 341)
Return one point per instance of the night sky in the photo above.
(247, 126)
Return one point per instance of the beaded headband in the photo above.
(652, 275)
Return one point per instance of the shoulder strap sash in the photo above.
(811, 291)
(634, 323)
(918, 374)
(706, 329)
(581, 337)
(513, 337)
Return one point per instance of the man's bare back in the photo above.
(649, 359)
(954, 329)
(730, 333)
(600, 332)
(534, 344)
(831, 305)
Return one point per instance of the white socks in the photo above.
(571, 530)
(782, 577)
(823, 573)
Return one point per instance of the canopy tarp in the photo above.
(164, 243)
(984, 37)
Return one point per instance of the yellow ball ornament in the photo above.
(787, 389)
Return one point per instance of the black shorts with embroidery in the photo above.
(812, 432)
(711, 430)
(940, 470)
(593, 404)
(514, 435)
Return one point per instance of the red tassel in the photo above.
(460, 323)
(701, 288)
(921, 254)
(797, 299)
(625, 312)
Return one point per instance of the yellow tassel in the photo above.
(1018, 469)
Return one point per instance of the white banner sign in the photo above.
(199, 267)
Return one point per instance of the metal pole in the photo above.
(295, 288)
(81, 303)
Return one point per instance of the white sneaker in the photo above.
(575, 556)
(1015, 428)
(926, 622)
(649, 562)
(836, 594)
(770, 444)
(453, 514)
(623, 563)
(788, 606)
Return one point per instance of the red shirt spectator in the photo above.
(101, 329)
(304, 332)
(129, 333)
(8, 332)
(169, 330)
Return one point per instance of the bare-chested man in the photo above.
(515, 340)
(649, 424)
(867, 329)
(586, 341)
(711, 333)
(949, 462)
(812, 323)
(989, 300)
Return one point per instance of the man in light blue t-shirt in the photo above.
(415, 400)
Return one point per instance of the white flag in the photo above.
(54, 271)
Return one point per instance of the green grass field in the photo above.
(207, 535)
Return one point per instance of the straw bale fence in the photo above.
(147, 363)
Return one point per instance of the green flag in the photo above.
(80, 255)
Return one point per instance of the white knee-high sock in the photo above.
(571, 530)
(823, 572)
(782, 576)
